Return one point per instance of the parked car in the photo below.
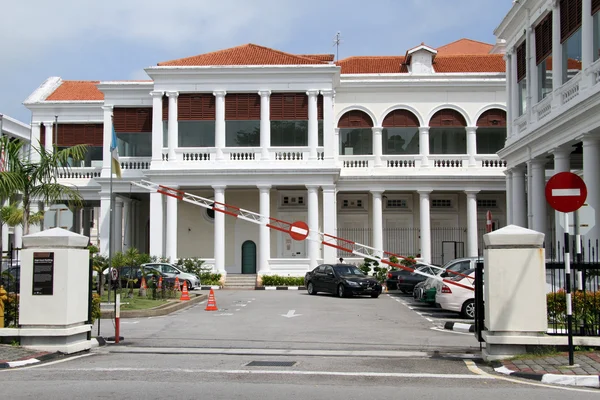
(171, 271)
(132, 276)
(341, 279)
(455, 298)
(405, 280)
(426, 291)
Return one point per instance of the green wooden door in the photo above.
(249, 257)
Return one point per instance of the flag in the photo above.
(114, 154)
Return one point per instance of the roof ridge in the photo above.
(283, 52)
(464, 38)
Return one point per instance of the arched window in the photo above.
(447, 133)
(356, 133)
(491, 131)
(400, 133)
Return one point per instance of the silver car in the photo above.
(193, 281)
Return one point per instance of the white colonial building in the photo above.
(395, 152)
(553, 75)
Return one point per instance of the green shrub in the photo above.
(95, 307)
(192, 266)
(277, 280)
(208, 278)
(584, 306)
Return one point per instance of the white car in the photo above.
(458, 299)
(193, 281)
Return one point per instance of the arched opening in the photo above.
(491, 131)
(400, 133)
(356, 133)
(249, 257)
(447, 133)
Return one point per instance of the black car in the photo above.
(394, 276)
(341, 279)
(406, 283)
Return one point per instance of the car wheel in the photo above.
(311, 289)
(468, 309)
(375, 295)
(341, 290)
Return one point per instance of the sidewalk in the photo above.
(555, 369)
(17, 356)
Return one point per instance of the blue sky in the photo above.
(116, 39)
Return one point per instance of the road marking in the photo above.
(220, 314)
(437, 328)
(48, 363)
(566, 192)
(290, 314)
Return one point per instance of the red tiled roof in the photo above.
(76, 91)
(373, 65)
(248, 54)
(465, 46)
(320, 57)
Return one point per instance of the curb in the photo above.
(280, 288)
(460, 327)
(30, 360)
(592, 381)
(208, 288)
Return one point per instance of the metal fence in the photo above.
(585, 281)
(9, 279)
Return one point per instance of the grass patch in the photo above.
(136, 302)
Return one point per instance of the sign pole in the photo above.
(568, 290)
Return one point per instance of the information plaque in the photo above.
(43, 273)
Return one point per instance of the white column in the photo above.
(557, 54)
(587, 43)
(328, 134)
(127, 225)
(35, 142)
(156, 224)
(519, 206)
(425, 219)
(509, 205)
(5, 235)
(329, 221)
(424, 145)
(134, 228)
(538, 195)
(313, 124)
(472, 145)
(472, 246)
(515, 87)
(220, 123)
(336, 144)
(106, 141)
(377, 146)
(18, 237)
(171, 250)
(377, 221)
(118, 225)
(172, 125)
(510, 88)
(34, 207)
(264, 250)
(313, 224)
(591, 176)
(49, 141)
(532, 79)
(562, 163)
(265, 123)
(528, 180)
(86, 220)
(219, 230)
(104, 224)
(157, 125)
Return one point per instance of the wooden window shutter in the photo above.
(165, 108)
(521, 61)
(570, 18)
(355, 119)
(492, 118)
(74, 134)
(543, 39)
(320, 107)
(400, 119)
(289, 107)
(242, 106)
(42, 135)
(447, 117)
(133, 120)
(595, 6)
(196, 107)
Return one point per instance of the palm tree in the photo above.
(38, 180)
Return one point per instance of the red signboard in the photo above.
(566, 192)
(299, 230)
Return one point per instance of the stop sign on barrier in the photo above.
(566, 192)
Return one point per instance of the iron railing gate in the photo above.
(9, 278)
(479, 302)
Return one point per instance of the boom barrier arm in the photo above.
(348, 246)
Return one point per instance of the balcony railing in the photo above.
(594, 70)
(135, 162)
(80, 173)
(449, 161)
(570, 90)
(543, 108)
(521, 123)
(490, 161)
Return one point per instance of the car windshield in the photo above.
(462, 275)
(348, 270)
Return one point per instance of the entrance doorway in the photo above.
(249, 257)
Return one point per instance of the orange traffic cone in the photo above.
(177, 284)
(160, 283)
(184, 294)
(212, 304)
(143, 283)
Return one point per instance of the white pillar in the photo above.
(509, 205)
(313, 124)
(156, 224)
(329, 221)
(49, 141)
(5, 235)
(134, 226)
(377, 145)
(587, 43)
(313, 224)
(264, 251)
(472, 245)
(562, 163)
(172, 125)
(35, 142)
(18, 237)
(472, 145)
(127, 225)
(106, 141)
(538, 195)
(424, 145)
(157, 125)
(425, 220)
(532, 79)
(591, 177)
(515, 91)
(86, 221)
(117, 234)
(510, 88)
(557, 54)
(328, 134)
(336, 144)
(220, 123)
(265, 123)
(219, 230)
(377, 221)
(528, 191)
(171, 248)
(519, 206)
(104, 224)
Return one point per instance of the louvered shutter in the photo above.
(447, 117)
(42, 135)
(242, 106)
(595, 6)
(132, 120)
(165, 108)
(400, 119)
(320, 107)
(74, 134)
(570, 18)
(355, 119)
(289, 107)
(492, 118)
(196, 107)
(521, 61)
(543, 39)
